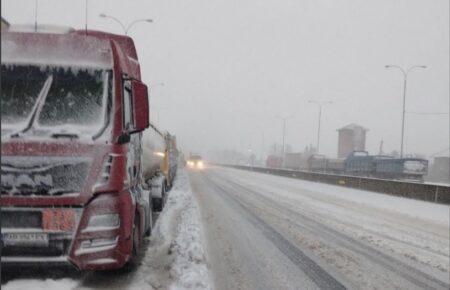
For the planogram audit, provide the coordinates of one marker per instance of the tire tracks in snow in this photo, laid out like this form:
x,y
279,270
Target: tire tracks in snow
x,y
389,223
411,274
316,273
399,225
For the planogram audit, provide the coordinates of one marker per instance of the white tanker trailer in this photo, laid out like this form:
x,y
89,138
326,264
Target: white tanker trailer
x,y
155,167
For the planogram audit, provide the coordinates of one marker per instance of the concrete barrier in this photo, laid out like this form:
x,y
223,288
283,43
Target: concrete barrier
x,y
422,191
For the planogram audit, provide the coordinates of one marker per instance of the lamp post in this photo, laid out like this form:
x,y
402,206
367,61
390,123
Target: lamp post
x,y
284,131
320,104
35,14
126,28
405,79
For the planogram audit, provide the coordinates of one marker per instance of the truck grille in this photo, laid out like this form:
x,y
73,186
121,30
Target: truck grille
x,y
17,221
51,176
21,219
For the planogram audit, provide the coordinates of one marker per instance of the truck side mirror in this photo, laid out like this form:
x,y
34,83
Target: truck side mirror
x,y
140,106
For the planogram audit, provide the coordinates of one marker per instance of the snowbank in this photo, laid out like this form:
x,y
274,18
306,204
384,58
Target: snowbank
x,y
48,284
176,256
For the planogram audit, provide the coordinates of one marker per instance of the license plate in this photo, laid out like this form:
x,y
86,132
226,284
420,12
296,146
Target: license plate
x,y
58,219
25,239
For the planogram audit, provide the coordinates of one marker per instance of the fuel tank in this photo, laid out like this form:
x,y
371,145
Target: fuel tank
x,y
154,150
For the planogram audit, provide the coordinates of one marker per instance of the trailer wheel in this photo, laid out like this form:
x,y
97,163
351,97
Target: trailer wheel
x,y
148,233
158,202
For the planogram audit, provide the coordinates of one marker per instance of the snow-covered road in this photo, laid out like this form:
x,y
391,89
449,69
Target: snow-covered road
x,y
271,232
230,229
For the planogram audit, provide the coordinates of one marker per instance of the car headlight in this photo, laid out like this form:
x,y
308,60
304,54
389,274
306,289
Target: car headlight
x,y
200,164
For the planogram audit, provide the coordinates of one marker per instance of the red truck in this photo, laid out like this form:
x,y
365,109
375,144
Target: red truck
x,y
73,108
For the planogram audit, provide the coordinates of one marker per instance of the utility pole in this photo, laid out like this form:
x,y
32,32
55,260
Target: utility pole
x,y
320,104
35,15
86,20
283,150
284,136
405,79
380,151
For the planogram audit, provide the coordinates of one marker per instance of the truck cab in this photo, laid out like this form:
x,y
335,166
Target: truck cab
x,y
73,109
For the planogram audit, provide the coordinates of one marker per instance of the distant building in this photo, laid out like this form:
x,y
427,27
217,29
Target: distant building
x,y
351,138
4,24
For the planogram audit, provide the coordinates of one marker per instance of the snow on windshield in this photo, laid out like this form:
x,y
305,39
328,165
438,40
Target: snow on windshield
x,y
64,50
76,97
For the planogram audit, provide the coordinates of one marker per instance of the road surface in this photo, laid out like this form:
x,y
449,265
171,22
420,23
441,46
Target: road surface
x,y
246,230
270,232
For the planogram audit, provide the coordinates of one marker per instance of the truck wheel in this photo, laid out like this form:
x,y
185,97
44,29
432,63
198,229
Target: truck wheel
x,y
136,246
158,202
148,233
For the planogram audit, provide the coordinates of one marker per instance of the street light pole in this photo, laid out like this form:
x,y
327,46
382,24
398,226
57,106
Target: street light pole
x,y
318,129
137,21
405,79
284,136
284,132
86,17
126,28
35,15
320,104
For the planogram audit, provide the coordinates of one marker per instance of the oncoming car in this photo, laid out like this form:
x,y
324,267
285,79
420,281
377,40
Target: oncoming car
x,y
195,162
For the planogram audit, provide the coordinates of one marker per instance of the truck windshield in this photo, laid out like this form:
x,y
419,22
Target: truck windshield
x,y
75,101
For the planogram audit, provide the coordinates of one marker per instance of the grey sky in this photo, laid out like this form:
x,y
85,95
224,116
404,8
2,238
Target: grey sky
x,y
231,66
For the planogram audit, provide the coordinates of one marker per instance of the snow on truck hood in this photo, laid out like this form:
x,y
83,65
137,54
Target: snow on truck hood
x,y
59,169
68,49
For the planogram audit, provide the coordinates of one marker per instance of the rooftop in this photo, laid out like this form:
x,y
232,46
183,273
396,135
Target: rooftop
x,y
353,126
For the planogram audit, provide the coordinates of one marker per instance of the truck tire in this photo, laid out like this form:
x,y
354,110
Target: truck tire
x,y
148,232
158,202
136,246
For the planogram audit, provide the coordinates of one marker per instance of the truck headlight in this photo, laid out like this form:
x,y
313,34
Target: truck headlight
x,y
103,222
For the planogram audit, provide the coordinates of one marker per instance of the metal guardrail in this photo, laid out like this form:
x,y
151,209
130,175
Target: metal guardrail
x,y
422,191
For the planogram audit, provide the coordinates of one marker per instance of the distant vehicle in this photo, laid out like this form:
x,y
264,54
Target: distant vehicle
x,y
317,162
274,161
402,168
360,163
195,162
73,179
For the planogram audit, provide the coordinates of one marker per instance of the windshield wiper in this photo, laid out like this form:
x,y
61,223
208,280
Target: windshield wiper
x,y
60,191
37,107
65,135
